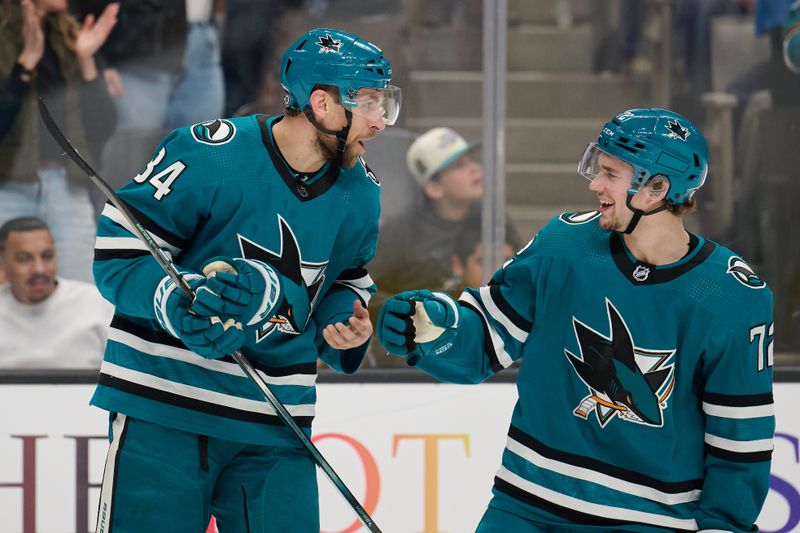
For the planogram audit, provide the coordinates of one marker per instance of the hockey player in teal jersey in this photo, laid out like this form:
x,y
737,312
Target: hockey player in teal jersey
x,y
273,220
645,385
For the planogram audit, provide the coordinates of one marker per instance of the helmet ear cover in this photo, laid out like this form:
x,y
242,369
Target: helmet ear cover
x,y
658,185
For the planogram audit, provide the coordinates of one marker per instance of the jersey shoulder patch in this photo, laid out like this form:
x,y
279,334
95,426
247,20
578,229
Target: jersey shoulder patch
x,y
744,274
578,217
213,132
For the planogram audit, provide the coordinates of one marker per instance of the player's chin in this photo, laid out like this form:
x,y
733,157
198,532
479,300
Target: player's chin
x,y
608,223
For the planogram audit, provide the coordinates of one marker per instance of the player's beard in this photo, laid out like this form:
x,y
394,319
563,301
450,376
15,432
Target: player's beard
x,y
327,144
612,222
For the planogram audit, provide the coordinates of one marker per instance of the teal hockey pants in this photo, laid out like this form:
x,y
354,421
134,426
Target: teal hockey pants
x,y
500,521
161,479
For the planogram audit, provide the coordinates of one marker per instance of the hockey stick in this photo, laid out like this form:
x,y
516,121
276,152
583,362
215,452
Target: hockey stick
x,y
179,280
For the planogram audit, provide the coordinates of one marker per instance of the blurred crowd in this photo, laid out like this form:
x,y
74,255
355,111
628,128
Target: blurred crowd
x,y
118,75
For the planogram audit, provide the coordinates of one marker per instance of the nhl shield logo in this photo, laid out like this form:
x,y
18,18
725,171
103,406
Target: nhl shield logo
x,y
641,273
218,131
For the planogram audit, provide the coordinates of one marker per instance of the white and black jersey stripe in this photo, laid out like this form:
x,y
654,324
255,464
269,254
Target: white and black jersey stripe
x,y
595,471
159,344
494,346
580,511
589,472
127,247
197,398
357,280
500,309
739,408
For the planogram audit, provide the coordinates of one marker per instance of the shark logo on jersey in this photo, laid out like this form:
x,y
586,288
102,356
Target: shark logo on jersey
x,y
624,380
579,217
744,274
301,282
217,131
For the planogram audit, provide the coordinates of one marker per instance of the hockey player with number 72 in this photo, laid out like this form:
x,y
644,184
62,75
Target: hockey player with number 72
x,y
645,386
273,221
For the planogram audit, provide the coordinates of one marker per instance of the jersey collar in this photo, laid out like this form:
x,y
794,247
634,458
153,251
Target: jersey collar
x,y
302,190
641,273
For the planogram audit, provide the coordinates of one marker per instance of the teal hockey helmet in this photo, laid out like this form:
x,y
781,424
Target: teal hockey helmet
x,y
334,57
655,142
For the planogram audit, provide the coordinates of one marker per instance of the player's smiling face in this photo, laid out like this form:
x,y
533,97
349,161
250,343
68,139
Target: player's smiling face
x,y
611,186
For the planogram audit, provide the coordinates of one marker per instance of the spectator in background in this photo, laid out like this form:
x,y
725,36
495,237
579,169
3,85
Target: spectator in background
x,y
617,37
466,263
774,75
165,63
693,21
46,52
247,51
46,321
415,248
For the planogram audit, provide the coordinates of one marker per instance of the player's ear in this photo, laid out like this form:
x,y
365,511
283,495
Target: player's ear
x,y
320,102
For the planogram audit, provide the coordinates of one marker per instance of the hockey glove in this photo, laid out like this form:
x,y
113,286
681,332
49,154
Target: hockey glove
x,y
205,335
418,323
245,290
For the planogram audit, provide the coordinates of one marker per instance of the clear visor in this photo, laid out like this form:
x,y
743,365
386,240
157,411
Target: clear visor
x,y
375,104
589,164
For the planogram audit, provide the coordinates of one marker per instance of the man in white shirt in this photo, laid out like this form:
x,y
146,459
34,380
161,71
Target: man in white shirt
x,y
46,321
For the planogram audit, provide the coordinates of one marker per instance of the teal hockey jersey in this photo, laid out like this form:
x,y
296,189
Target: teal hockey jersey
x,y
645,392
222,188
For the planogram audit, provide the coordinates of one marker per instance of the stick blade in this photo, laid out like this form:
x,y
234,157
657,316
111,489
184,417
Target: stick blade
x,y
62,141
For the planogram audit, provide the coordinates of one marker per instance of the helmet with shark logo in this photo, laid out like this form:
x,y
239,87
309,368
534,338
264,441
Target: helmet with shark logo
x,y
656,142
334,57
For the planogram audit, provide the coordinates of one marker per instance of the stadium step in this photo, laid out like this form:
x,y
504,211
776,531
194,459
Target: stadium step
x,y
528,140
530,47
530,94
545,11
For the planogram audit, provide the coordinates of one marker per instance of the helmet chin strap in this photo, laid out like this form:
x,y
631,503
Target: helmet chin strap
x,y
638,213
341,135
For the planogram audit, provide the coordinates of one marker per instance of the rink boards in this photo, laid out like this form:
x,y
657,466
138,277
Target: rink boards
x,y
420,457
